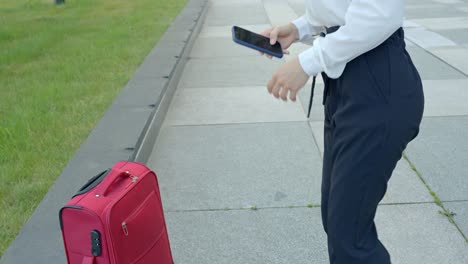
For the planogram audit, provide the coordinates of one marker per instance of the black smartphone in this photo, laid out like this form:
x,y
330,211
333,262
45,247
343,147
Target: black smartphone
x,y
256,41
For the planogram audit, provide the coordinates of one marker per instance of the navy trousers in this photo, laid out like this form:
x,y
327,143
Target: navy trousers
x,y
371,113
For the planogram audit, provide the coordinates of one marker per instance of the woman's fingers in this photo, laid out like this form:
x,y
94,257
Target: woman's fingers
x,y
270,85
279,91
276,89
274,35
292,95
284,93
266,32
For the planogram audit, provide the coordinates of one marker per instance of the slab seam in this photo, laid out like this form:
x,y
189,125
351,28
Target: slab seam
x,y
445,212
442,60
233,124
255,208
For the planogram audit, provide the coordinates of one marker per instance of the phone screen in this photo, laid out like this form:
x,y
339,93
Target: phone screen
x,y
256,40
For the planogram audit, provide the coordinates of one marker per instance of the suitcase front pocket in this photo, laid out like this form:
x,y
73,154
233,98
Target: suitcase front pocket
x,y
140,230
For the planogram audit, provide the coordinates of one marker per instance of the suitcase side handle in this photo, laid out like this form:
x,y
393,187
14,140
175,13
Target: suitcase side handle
x,y
93,182
122,174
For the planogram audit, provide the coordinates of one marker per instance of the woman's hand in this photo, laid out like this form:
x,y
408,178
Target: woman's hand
x,y
285,35
289,78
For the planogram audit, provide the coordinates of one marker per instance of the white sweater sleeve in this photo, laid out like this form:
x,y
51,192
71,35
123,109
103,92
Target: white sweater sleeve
x,y
305,28
368,23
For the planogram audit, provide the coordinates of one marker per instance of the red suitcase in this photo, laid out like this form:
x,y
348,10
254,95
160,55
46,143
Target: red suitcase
x,y
117,218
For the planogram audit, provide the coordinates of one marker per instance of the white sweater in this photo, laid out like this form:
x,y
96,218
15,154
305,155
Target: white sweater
x,y
365,24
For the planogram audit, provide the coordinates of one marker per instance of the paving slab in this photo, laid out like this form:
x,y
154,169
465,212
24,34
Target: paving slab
x,y
459,36
234,2
446,97
443,23
439,154
418,3
463,8
225,31
457,57
427,39
410,24
279,12
237,166
298,6
246,236
431,67
220,47
409,43
317,128
296,236
228,15
448,1
461,214
405,186
236,105
432,11
419,234
228,72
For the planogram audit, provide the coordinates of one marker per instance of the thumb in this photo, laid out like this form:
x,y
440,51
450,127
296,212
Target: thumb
x,y
274,36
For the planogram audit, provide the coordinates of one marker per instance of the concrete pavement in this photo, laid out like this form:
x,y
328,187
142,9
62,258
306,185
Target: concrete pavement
x,y
240,171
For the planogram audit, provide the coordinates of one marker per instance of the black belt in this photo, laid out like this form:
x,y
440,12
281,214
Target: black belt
x,y
322,34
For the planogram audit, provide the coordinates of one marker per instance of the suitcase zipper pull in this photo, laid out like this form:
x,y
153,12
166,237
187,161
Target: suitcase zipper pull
x,y
124,227
133,180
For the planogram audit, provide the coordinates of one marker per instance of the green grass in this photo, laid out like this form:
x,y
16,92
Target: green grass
x,y
60,69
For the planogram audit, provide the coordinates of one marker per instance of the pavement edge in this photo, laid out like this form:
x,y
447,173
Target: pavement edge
x,y
148,137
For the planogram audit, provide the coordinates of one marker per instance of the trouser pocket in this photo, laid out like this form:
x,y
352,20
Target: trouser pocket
x,y
378,64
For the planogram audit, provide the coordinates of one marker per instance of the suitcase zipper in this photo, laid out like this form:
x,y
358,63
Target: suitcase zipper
x,y
133,214
124,227
124,224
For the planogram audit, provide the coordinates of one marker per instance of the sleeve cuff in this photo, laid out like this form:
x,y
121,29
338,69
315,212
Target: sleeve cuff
x,y
303,27
310,61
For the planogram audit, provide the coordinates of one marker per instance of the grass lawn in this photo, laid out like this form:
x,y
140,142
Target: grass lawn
x,y
60,69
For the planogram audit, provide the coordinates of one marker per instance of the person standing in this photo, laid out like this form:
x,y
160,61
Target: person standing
x,y
374,103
